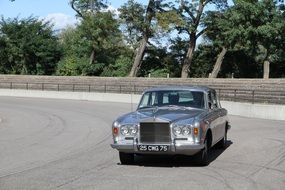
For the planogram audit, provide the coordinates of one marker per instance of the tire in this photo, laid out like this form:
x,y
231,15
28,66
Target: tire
x,y
222,144
127,158
203,155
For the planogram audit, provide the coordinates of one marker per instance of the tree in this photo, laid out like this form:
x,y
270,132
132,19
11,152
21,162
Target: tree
x,y
159,63
102,32
120,68
99,30
186,19
138,19
98,25
252,26
101,37
270,35
28,46
203,59
73,42
83,8
215,22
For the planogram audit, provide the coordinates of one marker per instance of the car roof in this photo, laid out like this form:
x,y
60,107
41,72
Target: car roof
x,y
177,87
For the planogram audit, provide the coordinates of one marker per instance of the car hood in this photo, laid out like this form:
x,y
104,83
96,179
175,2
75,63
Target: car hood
x,y
169,114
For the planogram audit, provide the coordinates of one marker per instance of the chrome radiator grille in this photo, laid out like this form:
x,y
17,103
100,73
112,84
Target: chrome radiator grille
x,y
154,133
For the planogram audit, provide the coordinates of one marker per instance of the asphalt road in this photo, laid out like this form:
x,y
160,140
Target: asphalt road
x,y
58,144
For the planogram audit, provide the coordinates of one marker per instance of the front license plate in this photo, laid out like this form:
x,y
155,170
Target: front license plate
x,y
153,148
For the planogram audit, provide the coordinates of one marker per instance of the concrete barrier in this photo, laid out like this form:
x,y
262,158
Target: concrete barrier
x,y
103,97
264,111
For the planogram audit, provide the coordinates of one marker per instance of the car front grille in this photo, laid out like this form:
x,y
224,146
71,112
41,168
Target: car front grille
x,y
154,133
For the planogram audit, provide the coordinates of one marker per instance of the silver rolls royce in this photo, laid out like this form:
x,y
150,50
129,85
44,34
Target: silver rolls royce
x,y
172,120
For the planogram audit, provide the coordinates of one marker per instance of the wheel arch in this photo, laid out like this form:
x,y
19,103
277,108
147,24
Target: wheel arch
x,y
209,136
228,126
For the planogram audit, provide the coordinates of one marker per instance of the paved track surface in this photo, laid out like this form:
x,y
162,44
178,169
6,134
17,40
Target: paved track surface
x,y
57,144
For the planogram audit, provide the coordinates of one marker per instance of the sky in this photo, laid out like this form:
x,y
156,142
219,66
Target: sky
x,y
57,11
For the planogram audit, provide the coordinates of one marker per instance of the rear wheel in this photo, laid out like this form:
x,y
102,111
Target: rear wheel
x,y
127,158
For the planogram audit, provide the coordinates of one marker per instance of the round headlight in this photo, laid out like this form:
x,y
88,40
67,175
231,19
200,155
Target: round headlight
x,y
124,130
177,130
186,131
133,130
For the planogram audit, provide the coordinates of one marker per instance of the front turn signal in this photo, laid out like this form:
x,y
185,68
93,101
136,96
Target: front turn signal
x,y
196,131
115,131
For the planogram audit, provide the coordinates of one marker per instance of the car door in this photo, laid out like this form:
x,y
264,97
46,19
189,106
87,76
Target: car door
x,y
213,116
221,114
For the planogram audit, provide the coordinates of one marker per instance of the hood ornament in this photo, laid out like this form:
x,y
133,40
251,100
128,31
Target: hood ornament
x,y
154,111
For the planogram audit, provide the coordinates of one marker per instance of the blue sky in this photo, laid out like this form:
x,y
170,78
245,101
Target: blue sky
x,y
58,11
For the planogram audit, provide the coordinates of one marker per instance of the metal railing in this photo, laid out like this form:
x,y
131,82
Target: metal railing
x,y
229,94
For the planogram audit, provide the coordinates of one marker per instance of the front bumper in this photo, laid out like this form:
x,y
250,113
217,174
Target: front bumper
x,y
174,149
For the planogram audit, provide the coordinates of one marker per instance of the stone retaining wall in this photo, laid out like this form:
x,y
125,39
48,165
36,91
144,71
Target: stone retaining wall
x,y
248,90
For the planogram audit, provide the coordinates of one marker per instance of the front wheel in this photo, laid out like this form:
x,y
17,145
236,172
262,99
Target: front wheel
x,y
203,155
127,158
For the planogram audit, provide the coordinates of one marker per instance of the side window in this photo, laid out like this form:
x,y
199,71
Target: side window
x,y
210,99
215,100
213,103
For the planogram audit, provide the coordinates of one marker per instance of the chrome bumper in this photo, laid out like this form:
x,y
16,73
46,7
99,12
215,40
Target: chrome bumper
x,y
176,148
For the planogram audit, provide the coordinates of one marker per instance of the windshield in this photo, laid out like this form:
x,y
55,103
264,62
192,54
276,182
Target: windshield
x,y
185,98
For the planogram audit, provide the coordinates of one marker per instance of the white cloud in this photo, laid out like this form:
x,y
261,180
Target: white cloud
x,y
115,11
60,20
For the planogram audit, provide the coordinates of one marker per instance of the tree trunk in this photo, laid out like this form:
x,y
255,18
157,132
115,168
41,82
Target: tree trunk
x,y
193,37
150,13
92,57
189,56
218,63
266,69
138,58
72,3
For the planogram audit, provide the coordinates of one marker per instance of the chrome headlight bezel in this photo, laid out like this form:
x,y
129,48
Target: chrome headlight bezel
x,y
181,130
124,130
177,130
129,129
133,130
186,130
